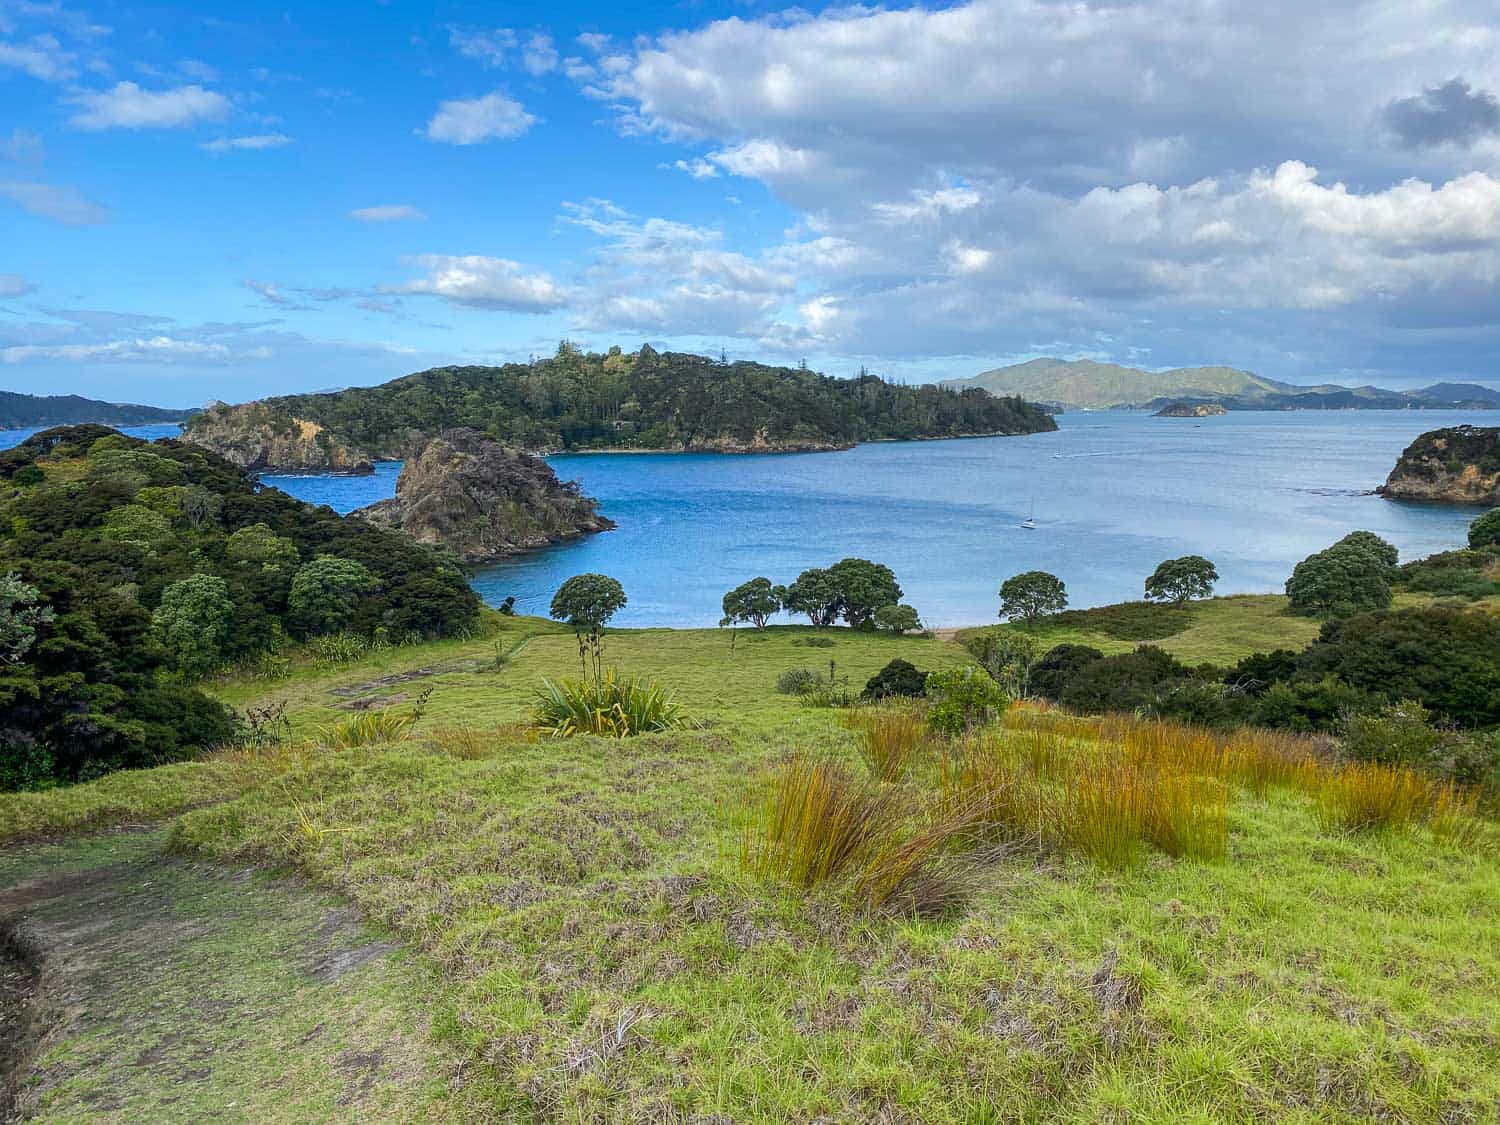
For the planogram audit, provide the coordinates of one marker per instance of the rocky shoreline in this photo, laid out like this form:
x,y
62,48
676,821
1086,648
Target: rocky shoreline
x,y
1457,465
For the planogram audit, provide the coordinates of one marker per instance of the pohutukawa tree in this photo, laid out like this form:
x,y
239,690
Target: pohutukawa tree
x,y
1031,595
1181,580
755,602
587,602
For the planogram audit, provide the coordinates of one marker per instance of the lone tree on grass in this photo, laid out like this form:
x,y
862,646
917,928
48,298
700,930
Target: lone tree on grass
x,y
587,602
897,619
754,601
1181,580
1032,595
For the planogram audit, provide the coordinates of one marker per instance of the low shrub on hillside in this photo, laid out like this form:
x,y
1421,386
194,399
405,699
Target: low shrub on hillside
x,y
898,678
605,705
795,681
1128,621
963,699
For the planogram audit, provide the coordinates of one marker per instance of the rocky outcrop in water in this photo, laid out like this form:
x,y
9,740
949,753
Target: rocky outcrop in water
x,y
485,501
1457,465
259,439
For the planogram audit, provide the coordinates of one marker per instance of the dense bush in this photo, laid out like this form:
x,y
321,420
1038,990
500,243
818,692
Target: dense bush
x,y
1353,576
1058,666
1123,683
1446,659
796,681
899,677
647,400
153,563
1485,530
1471,574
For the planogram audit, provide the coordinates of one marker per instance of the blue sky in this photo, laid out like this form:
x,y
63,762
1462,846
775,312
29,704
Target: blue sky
x,y
225,201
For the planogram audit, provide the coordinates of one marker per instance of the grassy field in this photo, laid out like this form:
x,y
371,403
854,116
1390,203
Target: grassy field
x,y
593,950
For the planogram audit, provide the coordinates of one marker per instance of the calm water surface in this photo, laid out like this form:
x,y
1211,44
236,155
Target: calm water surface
x,y
1114,494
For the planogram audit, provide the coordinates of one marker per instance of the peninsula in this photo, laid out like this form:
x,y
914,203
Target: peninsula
x,y
577,401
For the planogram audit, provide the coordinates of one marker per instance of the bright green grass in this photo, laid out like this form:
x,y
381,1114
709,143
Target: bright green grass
x,y
570,889
712,682
600,956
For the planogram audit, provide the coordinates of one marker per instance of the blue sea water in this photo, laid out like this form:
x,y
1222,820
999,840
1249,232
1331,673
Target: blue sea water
x,y
1113,495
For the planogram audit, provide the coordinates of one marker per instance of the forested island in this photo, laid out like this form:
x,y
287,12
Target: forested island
x,y
22,411
644,401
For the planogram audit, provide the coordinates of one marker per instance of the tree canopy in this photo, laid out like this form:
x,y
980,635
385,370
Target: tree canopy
x,y
754,601
1352,576
139,566
1031,595
1182,580
1485,530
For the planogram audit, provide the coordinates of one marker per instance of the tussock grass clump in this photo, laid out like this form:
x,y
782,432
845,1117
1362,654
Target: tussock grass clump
x,y
1101,812
1373,797
471,743
1187,816
605,705
988,787
821,825
891,737
367,728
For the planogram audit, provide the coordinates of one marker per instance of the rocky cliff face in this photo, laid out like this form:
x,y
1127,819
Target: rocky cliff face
x,y
1458,465
483,500
262,440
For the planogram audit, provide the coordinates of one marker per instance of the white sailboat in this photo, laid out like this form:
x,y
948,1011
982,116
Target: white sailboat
x,y
1029,523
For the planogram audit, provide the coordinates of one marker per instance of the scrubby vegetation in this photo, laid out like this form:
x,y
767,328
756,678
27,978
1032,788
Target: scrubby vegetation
x,y
645,400
136,569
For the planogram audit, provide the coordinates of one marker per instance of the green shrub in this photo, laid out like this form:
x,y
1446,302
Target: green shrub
x,y
1057,667
1126,682
963,698
898,619
898,678
796,681
1485,531
605,705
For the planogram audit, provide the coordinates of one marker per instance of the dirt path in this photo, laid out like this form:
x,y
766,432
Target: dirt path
x,y
139,987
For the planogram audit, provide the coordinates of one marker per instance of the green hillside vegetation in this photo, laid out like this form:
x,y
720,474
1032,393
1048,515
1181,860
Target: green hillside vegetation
x,y
131,570
646,400
22,411
594,941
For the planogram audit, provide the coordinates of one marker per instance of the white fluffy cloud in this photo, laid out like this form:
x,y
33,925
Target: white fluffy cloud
x,y
255,143
386,213
484,283
466,122
1004,176
58,202
127,106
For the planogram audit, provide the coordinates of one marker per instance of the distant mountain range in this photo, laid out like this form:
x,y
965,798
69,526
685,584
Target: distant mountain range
x,y
22,411
1084,384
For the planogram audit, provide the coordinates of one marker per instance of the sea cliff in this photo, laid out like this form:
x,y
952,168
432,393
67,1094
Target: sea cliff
x,y
484,501
260,439
1457,465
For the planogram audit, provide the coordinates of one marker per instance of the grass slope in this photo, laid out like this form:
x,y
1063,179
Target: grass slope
x,y
601,956
1219,631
